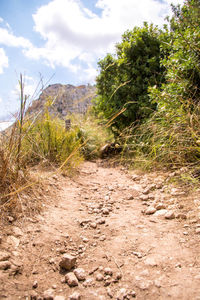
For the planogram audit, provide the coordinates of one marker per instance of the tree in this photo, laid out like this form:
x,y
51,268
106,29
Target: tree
x,y
125,77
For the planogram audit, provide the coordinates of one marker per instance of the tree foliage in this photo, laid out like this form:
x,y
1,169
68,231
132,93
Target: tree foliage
x,y
125,77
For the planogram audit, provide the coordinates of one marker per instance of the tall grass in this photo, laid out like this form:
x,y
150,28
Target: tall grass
x,y
164,140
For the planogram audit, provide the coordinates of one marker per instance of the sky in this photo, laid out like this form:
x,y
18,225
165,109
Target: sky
x,y
61,41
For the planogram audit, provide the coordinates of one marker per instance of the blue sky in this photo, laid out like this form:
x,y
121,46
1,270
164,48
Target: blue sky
x,y
62,40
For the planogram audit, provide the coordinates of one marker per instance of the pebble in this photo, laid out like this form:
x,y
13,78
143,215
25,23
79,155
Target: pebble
x,y
99,277
67,261
35,284
75,296
71,279
108,271
109,292
101,221
48,294
118,276
102,238
169,215
144,197
85,240
160,212
150,210
93,225
105,211
150,261
59,298
181,216
80,274
160,206
17,231
197,230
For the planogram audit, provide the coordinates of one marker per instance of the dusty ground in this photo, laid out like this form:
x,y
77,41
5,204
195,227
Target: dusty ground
x,y
149,256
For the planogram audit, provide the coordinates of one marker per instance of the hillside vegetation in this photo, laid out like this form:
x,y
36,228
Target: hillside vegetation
x,y
154,80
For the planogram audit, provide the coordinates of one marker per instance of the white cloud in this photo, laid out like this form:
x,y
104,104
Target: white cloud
x,y
75,35
1,20
3,60
9,39
0,100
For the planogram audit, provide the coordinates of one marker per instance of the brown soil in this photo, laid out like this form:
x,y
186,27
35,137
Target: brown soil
x,y
155,257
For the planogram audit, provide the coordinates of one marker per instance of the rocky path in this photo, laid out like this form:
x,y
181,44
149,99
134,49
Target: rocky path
x,y
105,234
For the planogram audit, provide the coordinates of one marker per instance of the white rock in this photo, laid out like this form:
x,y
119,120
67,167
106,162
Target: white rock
x,y
71,279
108,271
80,274
150,210
169,215
75,296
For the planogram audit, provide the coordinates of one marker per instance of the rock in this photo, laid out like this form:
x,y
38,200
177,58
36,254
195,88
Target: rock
x,y
161,212
108,271
107,198
93,225
59,298
99,277
122,294
144,284
67,262
144,197
105,211
160,206
4,255
102,238
33,296
48,294
35,284
150,210
4,265
75,296
88,283
146,191
197,231
169,215
150,261
109,292
80,274
101,221
181,216
85,240
118,276
71,279
10,219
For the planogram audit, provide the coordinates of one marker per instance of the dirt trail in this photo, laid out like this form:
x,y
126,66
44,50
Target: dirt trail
x,y
107,218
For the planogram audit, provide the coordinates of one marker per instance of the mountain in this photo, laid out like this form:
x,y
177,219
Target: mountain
x,y
66,99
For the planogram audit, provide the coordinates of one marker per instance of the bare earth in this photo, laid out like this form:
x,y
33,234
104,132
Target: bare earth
x,y
114,223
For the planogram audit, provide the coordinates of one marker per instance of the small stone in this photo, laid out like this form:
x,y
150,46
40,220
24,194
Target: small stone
x,y
160,206
88,283
102,238
108,271
71,279
59,298
85,240
105,211
101,221
185,233
80,274
10,219
150,261
93,225
33,296
197,231
144,285
169,215
150,210
109,292
161,212
12,240
4,265
35,284
118,276
67,261
99,277
181,216
122,294
144,197
107,198
48,295
75,296
54,286
146,191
